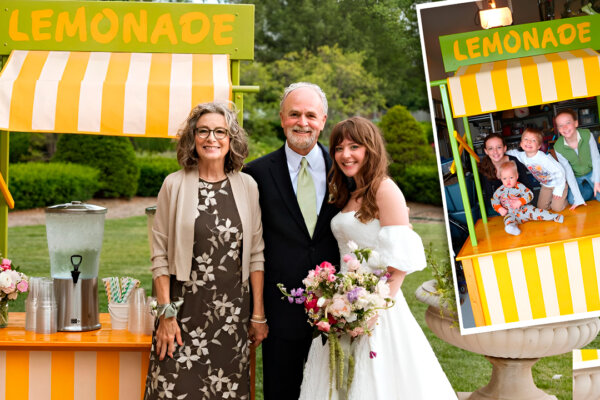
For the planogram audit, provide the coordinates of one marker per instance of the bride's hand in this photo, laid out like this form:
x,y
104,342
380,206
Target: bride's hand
x,y
372,322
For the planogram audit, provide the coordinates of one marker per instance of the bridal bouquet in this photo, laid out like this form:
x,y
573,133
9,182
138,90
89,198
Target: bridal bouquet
x,y
344,303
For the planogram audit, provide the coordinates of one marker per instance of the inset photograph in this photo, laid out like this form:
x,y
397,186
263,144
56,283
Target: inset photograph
x,y
513,96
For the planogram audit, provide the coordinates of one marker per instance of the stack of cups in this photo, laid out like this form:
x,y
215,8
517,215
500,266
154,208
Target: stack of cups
x,y
44,306
149,328
31,303
137,311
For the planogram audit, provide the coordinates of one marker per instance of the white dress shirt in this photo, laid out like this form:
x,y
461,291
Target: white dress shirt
x,y
316,167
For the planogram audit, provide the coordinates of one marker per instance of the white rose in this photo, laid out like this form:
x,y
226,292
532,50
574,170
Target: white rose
x,y
5,280
374,259
383,289
321,301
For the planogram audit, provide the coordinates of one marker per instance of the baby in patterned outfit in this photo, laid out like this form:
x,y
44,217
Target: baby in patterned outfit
x,y
510,200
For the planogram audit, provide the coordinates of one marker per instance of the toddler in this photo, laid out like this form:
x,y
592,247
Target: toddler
x,y
510,200
545,169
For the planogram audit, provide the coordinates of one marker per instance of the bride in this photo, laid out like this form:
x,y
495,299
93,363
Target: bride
x,y
375,216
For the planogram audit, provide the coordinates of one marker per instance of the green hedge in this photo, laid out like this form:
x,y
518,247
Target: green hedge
x,y
40,184
421,183
153,171
113,156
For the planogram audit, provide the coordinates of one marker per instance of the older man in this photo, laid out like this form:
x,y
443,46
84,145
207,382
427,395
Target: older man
x,y
292,182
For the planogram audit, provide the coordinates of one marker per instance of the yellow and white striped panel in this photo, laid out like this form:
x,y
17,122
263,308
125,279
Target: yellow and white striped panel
x,y
71,375
542,282
586,358
131,94
520,82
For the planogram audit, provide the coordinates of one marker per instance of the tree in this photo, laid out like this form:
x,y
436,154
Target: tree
x,y
385,31
350,89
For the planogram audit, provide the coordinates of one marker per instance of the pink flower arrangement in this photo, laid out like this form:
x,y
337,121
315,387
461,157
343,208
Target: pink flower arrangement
x,y
12,282
343,303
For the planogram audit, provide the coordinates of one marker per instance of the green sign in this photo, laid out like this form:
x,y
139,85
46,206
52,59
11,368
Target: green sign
x,y
127,27
520,40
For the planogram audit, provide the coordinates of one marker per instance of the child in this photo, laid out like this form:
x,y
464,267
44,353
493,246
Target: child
x,y
545,169
577,151
510,200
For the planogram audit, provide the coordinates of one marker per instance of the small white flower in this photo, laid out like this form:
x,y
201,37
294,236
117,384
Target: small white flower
x,y
321,301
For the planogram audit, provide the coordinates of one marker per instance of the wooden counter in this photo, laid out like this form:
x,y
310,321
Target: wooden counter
x,y
549,271
100,364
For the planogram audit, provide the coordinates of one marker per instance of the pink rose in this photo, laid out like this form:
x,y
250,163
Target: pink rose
x,y
357,331
327,266
353,265
6,261
347,258
323,326
22,286
331,278
312,304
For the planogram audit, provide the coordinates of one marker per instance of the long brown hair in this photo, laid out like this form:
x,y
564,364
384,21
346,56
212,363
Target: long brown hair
x,y
374,169
486,167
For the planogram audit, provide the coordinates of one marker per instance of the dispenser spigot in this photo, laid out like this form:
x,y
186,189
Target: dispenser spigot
x,y
76,261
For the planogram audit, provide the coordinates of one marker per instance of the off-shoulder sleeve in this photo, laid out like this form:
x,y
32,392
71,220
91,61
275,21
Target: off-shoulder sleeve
x,y
401,248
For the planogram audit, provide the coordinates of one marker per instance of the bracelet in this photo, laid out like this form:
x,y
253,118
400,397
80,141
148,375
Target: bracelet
x,y
168,310
258,321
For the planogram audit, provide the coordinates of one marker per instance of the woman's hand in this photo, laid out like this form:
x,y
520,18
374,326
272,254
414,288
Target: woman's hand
x,y
167,332
257,333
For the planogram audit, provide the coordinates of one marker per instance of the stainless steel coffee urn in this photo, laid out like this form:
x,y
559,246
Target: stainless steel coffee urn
x,y
75,231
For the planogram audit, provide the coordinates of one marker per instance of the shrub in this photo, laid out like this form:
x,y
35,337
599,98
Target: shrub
x,y
153,145
421,183
25,147
40,184
113,156
405,141
153,171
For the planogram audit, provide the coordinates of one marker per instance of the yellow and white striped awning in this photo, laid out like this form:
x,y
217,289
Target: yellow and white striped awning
x,y
586,358
131,94
502,85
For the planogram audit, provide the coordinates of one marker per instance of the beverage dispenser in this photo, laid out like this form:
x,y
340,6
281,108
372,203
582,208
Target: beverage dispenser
x,y
75,231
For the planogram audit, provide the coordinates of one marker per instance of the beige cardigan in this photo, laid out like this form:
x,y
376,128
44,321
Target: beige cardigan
x,y
173,229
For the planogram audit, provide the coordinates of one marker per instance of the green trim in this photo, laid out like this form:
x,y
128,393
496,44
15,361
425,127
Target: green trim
x,y
475,170
459,168
4,140
127,27
517,41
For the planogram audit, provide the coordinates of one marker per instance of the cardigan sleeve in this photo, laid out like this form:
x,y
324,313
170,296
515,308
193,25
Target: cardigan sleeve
x,y
160,228
257,258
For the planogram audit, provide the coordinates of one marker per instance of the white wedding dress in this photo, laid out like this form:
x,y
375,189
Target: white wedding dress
x,y
405,366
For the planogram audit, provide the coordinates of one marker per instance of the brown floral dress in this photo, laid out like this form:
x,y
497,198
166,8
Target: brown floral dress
x,y
213,362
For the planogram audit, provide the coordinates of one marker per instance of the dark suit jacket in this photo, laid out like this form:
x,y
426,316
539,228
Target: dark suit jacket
x,y
290,252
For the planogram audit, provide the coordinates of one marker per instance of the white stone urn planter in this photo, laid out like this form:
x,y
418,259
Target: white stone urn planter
x,y
512,352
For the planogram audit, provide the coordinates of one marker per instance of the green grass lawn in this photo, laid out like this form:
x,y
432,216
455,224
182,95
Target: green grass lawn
x,y
125,252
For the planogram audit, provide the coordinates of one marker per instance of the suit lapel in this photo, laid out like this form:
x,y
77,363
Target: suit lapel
x,y
281,177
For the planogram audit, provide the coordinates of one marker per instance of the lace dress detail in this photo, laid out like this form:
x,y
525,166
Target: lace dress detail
x,y
405,366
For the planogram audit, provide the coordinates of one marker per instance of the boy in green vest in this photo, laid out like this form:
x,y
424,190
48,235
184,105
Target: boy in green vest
x,y
577,151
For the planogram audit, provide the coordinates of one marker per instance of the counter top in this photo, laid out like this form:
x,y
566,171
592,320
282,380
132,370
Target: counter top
x,y
15,335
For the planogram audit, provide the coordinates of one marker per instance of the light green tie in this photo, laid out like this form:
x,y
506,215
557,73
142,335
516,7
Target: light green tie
x,y
307,196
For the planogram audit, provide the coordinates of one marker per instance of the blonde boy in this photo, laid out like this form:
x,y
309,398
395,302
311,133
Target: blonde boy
x,y
577,151
544,168
510,200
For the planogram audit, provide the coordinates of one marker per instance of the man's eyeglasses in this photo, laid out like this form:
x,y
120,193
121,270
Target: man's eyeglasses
x,y
203,133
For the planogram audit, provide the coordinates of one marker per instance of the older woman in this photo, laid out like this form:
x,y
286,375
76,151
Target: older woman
x,y
494,147
207,255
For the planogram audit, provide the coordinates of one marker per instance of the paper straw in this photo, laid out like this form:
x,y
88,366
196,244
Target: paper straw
x,y
106,282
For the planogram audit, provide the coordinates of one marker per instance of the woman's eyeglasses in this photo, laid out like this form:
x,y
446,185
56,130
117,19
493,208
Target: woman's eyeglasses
x,y
203,133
